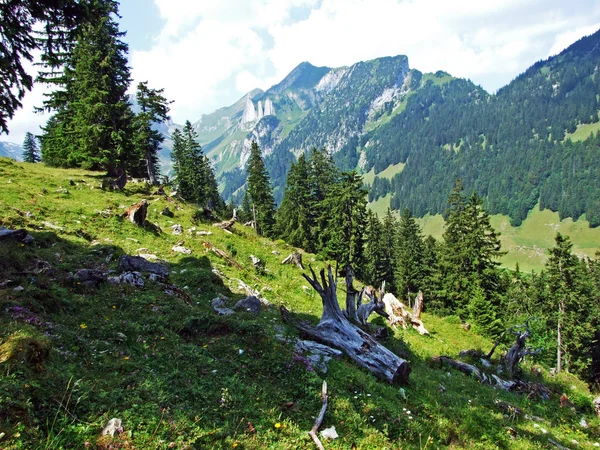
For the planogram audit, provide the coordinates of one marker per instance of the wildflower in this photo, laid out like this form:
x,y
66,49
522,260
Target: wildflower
x,y
162,338
235,444
126,358
114,307
83,326
278,425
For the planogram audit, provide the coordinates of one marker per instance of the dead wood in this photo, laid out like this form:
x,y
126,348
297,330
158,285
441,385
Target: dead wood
x,y
294,258
418,306
335,330
137,213
399,314
221,254
227,224
319,420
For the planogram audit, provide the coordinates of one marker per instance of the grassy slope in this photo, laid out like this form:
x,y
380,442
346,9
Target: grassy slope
x,y
180,377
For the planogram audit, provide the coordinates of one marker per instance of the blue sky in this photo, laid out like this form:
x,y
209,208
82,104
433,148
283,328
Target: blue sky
x,y
208,53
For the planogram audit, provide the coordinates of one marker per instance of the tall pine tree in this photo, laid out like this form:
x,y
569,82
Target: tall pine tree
x,y
154,108
31,152
92,124
260,193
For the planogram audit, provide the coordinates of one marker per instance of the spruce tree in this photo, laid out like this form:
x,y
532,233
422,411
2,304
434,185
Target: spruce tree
x,y
31,153
410,270
260,193
295,216
375,263
92,124
347,202
154,108
60,19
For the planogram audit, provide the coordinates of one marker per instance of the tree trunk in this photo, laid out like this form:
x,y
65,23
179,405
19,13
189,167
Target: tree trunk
x,y
559,338
335,330
150,168
418,306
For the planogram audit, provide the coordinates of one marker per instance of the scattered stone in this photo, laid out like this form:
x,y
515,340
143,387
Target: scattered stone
x,y
466,326
19,289
132,240
29,239
15,235
134,279
329,433
114,280
140,264
218,273
177,229
250,304
121,337
596,403
154,277
137,213
167,212
181,249
218,305
90,277
203,233
62,191
112,426
583,423
41,266
275,252
257,263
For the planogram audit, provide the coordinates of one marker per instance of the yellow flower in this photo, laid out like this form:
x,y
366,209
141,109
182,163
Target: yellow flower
x,y
278,425
83,326
235,444
114,307
126,358
162,338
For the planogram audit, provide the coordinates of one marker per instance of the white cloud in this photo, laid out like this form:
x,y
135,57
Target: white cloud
x,y
209,53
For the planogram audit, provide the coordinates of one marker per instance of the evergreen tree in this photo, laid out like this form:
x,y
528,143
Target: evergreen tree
x,y
323,178
389,240
374,268
31,151
260,193
61,20
295,216
154,108
92,124
410,270
192,170
347,202
468,259
575,312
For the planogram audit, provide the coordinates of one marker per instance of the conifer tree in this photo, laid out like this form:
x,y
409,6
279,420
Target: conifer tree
x,y
31,151
154,108
295,216
193,173
60,19
471,248
260,193
575,313
92,124
347,202
410,270
376,259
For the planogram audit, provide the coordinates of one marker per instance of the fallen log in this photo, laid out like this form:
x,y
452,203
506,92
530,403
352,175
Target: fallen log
x,y
335,330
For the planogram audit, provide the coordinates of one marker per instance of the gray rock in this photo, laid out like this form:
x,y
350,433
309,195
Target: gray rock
x,y
167,212
218,305
177,229
29,239
596,403
112,426
181,249
19,289
16,235
90,277
139,264
203,233
250,304
134,279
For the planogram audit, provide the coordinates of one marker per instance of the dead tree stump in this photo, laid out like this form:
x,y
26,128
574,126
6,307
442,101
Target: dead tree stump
x,y
335,330
137,213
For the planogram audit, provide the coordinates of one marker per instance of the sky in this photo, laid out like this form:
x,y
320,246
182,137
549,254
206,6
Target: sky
x,y
207,54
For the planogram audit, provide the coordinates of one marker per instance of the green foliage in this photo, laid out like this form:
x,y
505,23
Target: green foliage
x,y
31,152
260,194
154,108
91,127
192,171
61,20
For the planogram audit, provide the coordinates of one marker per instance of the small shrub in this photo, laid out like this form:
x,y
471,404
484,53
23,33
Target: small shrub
x,y
25,347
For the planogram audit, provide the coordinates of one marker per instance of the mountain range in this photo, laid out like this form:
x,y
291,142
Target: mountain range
x,y
414,133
